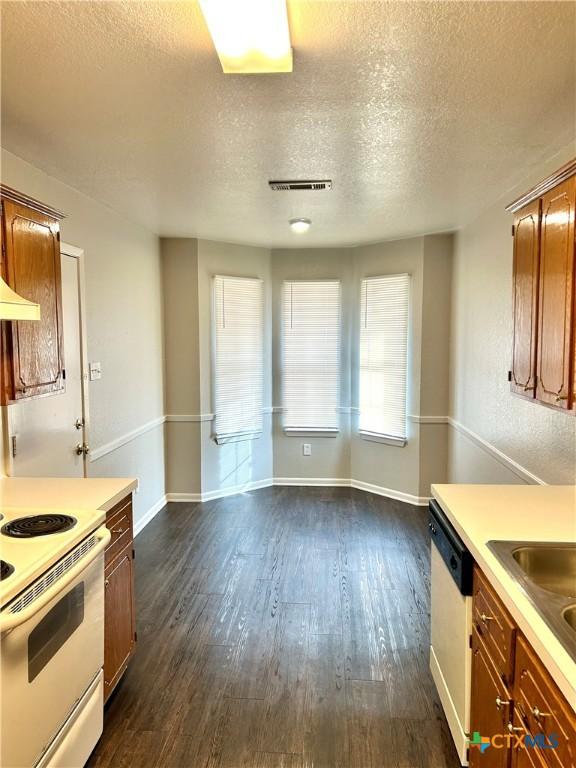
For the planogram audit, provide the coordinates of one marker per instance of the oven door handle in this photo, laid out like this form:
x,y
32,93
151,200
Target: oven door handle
x,y
9,620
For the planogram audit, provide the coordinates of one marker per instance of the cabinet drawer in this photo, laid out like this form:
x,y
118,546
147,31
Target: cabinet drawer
x,y
119,523
494,626
542,708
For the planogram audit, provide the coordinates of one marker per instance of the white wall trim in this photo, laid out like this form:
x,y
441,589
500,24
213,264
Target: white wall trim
x,y
113,445
334,482
320,482
390,493
429,419
187,417
506,461
219,494
182,498
143,521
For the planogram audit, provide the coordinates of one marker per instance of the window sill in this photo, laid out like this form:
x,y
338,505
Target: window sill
x,y
310,432
225,439
374,437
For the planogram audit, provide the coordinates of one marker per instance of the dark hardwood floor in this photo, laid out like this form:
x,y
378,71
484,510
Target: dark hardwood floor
x,y
284,628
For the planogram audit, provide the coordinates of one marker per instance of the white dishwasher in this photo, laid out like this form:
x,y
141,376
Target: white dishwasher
x,y
451,625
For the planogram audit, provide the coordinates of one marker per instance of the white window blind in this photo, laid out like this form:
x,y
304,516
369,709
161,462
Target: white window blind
x,y
311,354
384,355
238,360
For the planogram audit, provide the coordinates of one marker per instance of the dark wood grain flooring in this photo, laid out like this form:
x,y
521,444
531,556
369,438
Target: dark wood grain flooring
x,y
284,628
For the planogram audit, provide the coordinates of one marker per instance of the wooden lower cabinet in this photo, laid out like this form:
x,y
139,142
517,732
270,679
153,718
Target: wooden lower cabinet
x,y
119,610
490,707
530,708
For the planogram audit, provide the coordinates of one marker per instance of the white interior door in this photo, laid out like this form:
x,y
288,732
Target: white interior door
x,y
45,428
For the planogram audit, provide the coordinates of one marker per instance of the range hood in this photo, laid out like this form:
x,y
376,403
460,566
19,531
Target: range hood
x,y
14,307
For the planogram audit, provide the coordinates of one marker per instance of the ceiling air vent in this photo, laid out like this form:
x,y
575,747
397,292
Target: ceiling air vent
x,y
296,186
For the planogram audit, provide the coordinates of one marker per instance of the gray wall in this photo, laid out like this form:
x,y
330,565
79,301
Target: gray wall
x,y
124,327
537,438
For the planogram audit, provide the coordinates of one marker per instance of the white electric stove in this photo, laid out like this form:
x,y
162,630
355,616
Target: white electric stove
x,y
52,635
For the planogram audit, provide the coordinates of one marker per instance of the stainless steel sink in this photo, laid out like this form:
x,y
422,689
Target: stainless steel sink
x,y
550,567
547,575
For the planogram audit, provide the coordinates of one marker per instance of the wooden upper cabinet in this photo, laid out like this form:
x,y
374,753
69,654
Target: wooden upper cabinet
x,y
525,298
556,324
32,351
544,291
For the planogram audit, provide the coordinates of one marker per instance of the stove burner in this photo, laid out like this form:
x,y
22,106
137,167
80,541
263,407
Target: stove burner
x,y
5,570
38,525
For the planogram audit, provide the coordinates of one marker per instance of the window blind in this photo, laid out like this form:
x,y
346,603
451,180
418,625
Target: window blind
x,y
311,354
238,359
384,355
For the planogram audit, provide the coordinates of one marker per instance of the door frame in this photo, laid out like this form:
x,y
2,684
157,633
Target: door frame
x,y
66,249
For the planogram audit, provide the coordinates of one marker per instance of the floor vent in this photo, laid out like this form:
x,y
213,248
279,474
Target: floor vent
x,y
291,186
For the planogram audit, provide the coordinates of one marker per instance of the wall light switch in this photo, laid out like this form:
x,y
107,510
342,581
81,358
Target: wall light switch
x,y
95,371
306,449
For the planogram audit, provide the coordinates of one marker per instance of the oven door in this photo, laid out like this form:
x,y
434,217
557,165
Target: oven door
x,y
52,648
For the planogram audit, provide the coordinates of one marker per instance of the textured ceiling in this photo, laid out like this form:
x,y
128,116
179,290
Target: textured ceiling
x,y
421,113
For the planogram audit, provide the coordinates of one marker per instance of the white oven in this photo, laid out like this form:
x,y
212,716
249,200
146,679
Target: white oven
x,y
52,650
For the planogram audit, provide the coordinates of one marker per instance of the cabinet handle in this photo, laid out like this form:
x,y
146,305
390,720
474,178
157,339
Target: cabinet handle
x,y
106,582
117,530
501,703
538,715
486,618
514,728
559,398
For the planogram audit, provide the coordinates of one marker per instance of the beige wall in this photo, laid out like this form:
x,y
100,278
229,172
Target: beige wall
x,y
537,438
195,463
409,469
234,464
330,455
182,364
124,326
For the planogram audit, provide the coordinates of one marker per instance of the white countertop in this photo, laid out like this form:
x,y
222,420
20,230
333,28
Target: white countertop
x,y
481,513
64,493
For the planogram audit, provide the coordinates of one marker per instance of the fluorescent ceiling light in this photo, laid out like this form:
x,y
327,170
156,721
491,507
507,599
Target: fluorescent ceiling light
x,y
300,225
250,36
14,307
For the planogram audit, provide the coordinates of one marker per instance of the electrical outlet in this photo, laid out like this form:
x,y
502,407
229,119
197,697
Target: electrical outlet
x,y
306,449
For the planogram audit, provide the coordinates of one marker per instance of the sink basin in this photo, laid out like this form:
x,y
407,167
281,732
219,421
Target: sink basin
x,y
551,568
570,616
546,573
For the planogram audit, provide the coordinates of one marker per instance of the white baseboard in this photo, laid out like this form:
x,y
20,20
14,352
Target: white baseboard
x,y
390,493
334,482
184,497
140,524
320,482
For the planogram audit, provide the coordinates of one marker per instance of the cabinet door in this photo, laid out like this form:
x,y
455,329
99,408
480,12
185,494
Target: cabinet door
x,y
526,757
542,707
489,712
555,343
119,635
525,299
32,269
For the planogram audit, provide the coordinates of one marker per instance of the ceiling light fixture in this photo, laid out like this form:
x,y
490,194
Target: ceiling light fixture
x,y
300,225
250,36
